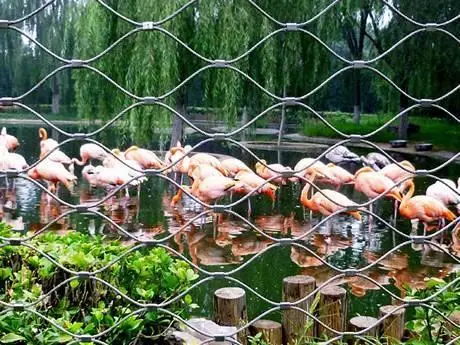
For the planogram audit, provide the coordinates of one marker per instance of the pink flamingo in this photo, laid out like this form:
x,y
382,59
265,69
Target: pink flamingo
x,y
47,145
271,170
327,201
233,166
146,158
397,174
53,173
307,166
423,208
89,152
12,142
373,184
338,176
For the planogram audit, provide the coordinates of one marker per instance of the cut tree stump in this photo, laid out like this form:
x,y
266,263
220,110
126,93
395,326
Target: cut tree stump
x,y
332,310
296,323
230,310
393,325
271,331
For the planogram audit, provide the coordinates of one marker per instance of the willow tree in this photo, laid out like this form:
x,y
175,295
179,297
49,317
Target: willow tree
x,y
19,58
427,64
287,64
147,64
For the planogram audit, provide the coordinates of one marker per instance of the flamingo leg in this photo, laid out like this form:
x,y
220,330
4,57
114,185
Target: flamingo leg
x,y
370,218
249,208
395,214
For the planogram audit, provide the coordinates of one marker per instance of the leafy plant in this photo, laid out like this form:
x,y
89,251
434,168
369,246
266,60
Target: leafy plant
x,y
427,326
257,340
87,306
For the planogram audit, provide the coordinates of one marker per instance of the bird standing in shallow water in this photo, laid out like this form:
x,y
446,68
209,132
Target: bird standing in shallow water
x,y
374,184
327,201
423,208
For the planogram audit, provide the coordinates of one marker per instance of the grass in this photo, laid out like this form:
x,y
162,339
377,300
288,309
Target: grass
x,y
441,132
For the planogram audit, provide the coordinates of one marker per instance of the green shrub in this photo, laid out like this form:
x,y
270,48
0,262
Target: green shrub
x,y
428,327
147,275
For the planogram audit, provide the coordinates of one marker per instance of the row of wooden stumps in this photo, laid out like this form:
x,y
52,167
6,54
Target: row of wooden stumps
x,y
331,308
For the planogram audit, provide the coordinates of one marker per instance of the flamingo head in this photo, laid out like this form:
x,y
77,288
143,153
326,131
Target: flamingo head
x,y
33,173
261,165
42,133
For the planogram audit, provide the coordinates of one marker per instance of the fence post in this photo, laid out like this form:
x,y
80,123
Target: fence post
x,y
271,331
332,310
295,323
393,325
360,323
230,310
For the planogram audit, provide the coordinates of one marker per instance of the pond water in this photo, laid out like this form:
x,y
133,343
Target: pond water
x,y
349,244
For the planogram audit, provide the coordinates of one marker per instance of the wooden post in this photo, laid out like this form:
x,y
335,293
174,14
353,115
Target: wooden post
x,y
295,323
359,323
332,310
453,331
230,309
271,331
393,325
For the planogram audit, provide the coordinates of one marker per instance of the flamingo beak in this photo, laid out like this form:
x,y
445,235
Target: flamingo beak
x,y
356,215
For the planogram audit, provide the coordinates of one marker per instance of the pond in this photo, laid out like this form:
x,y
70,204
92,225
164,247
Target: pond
x,y
343,242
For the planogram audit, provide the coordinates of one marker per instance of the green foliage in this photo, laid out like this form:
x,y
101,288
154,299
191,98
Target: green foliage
x,y
427,326
257,340
87,306
432,130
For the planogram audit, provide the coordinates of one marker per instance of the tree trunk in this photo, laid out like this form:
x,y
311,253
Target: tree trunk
x,y
177,128
244,120
283,119
55,97
357,105
404,119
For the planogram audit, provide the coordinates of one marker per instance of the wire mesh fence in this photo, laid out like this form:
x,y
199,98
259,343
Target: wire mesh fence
x,y
294,241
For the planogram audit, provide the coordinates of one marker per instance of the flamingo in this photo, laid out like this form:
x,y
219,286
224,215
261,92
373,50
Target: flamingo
x,y
342,154
100,176
443,193
256,184
53,173
16,162
327,201
307,166
373,184
397,174
90,152
202,171
269,171
423,208
175,154
210,189
233,166
12,142
339,176
204,158
375,160
146,158
47,145
130,167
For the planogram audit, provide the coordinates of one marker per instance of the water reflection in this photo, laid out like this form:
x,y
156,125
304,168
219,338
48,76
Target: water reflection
x,y
342,241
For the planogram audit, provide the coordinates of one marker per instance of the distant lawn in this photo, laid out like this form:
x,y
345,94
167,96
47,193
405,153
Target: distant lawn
x,y
442,133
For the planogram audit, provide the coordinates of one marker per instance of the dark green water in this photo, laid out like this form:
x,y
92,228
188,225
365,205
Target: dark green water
x,y
351,245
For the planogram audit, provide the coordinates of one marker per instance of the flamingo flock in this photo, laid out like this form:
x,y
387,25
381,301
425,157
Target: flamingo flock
x,y
212,178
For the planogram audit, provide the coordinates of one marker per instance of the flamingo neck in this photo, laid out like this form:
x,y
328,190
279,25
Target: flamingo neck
x,y
43,134
304,196
409,194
